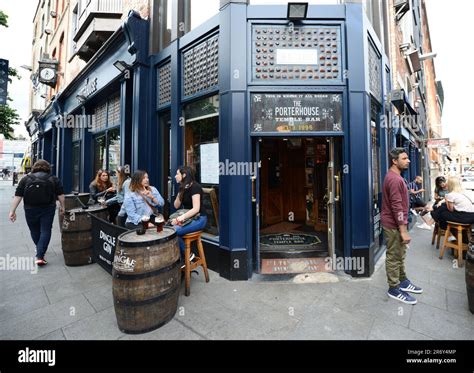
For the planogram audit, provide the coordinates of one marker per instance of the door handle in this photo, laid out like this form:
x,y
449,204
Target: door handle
x,y
254,189
170,187
338,188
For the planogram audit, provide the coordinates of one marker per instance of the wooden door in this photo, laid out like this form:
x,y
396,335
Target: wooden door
x,y
271,183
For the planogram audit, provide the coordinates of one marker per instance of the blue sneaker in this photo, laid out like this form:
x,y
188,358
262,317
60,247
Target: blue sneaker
x,y
407,286
397,294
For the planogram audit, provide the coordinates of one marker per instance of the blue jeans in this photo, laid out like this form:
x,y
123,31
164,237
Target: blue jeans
x,y
194,226
40,222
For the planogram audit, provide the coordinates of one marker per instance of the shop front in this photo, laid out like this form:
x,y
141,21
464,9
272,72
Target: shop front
x,y
96,118
282,122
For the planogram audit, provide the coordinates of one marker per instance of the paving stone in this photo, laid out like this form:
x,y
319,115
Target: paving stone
x,y
47,319
22,303
386,330
173,330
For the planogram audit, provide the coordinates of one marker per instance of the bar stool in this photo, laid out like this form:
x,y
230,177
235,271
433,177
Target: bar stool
x,y
437,233
457,245
200,260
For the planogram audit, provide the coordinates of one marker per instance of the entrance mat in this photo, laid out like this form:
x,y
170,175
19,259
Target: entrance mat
x,y
289,242
284,226
300,265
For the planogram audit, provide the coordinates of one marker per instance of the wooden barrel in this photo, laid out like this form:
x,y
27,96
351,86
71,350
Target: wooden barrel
x,y
470,275
76,235
71,202
146,279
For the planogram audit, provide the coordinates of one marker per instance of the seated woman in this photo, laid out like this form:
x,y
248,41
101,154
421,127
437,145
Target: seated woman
x,y
142,200
459,205
123,187
102,189
189,197
441,189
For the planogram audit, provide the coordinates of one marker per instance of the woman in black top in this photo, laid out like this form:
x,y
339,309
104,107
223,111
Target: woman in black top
x,y
189,197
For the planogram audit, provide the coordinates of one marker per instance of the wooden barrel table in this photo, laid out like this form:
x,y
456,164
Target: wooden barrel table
x,y
470,275
146,278
71,202
76,234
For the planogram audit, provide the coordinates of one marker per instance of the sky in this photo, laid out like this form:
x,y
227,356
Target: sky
x,y
449,26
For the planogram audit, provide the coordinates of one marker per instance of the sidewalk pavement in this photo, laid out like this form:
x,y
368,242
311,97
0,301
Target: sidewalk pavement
x,y
75,303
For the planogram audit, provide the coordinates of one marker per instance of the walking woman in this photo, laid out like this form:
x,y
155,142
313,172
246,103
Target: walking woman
x,y
189,197
142,200
39,191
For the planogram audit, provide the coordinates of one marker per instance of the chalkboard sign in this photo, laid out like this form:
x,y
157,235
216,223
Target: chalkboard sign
x,y
212,210
292,112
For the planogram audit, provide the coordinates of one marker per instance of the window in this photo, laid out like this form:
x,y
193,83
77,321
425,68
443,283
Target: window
x,y
202,149
106,125
161,26
195,14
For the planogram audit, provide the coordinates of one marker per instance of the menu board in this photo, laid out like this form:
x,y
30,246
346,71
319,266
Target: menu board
x,y
209,163
296,112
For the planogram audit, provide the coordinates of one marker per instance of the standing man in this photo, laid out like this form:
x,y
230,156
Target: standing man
x,y
394,218
39,191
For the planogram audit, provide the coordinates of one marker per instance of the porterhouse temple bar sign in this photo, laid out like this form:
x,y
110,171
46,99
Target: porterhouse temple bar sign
x,y
289,112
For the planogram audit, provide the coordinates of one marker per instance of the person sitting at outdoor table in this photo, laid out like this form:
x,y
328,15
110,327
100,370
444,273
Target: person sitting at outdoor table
x,y
441,189
459,206
190,197
141,201
416,190
123,187
101,190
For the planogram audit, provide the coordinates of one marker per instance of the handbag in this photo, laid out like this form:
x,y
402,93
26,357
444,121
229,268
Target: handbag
x,y
153,208
180,212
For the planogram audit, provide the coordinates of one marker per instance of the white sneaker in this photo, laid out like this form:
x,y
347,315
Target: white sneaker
x,y
451,239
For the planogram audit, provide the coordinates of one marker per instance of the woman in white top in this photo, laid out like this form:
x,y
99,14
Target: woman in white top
x,y
459,205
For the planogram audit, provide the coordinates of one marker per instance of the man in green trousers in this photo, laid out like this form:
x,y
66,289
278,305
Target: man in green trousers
x,y
394,217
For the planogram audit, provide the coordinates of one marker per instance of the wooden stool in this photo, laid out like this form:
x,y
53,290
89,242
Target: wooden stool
x,y
437,233
457,245
200,260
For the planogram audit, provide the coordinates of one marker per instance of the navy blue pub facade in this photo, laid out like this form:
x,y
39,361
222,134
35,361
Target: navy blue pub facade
x,y
300,103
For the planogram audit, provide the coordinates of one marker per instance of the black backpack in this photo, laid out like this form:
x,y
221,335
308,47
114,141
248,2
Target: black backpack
x,y
39,191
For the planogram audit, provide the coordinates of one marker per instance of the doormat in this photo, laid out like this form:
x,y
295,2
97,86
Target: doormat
x,y
300,265
284,226
289,242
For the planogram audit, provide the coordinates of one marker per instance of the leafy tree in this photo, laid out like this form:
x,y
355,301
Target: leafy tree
x,y
3,19
8,116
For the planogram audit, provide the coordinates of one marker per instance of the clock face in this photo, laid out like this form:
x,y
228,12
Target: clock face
x,y
47,73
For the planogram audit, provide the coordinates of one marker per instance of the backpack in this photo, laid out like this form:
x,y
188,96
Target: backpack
x,y
39,191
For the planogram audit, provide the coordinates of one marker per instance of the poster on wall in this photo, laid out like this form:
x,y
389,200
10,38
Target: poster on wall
x,y
209,163
296,112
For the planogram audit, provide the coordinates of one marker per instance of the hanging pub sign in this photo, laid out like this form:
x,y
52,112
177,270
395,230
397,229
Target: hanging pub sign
x,y
296,112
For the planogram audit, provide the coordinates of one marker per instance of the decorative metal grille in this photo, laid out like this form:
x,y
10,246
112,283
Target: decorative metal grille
x,y
201,67
270,40
76,134
100,117
375,73
114,112
164,85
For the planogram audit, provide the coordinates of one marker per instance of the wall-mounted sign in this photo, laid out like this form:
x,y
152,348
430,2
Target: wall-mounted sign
x,y
3,81
437,143
90,88
293,56
296,112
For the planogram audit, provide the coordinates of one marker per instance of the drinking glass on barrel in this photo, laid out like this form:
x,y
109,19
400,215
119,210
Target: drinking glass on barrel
x,y
159,222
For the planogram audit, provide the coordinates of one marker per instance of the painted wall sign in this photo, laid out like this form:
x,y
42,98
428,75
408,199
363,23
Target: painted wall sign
x,y
288,56
292,112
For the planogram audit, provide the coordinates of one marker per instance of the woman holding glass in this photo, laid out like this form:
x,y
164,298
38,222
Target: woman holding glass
x,y
142,200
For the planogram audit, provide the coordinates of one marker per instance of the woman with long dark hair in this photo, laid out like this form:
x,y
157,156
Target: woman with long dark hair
x,y
189,197
142,200
102,190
